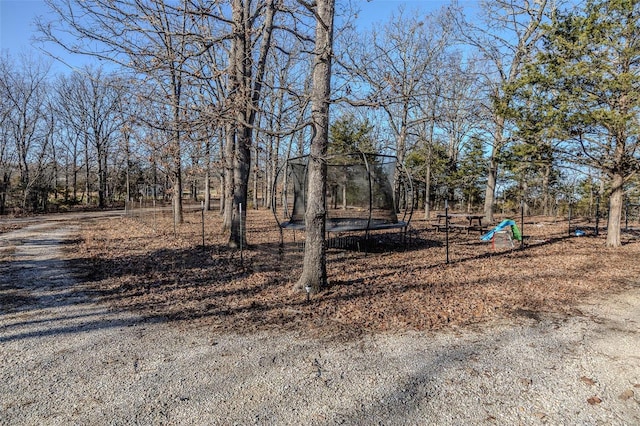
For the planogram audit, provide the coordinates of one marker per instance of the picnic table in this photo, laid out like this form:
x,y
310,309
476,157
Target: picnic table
x,y
473,222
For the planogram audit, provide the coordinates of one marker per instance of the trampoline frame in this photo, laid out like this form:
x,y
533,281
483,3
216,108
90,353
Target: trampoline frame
x,y
351,224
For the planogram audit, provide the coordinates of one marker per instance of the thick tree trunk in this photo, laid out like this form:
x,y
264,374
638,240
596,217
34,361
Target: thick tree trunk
x,y
615,211
74,180
87,175
247,97
128,169
227,212
4,189
255,180
241,170
221,187
238,142
207,175
492,173
489,197
222,175
616,199
178,217
272,168
314,273
102,181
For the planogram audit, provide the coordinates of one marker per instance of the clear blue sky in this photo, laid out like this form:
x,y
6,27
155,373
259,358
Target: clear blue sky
x,y
17,22
375,11
17,30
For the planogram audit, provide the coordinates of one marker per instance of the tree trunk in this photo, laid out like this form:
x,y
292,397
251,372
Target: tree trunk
x,y
177,192
102,177
177,174
221,196
615,211
248,99
87,166
222,175
55,171
128,170
546,197
492,173
427,191
255,179
207,188
230,145
272,168
314,273
427,187
4,189
237,88
241,170
75,175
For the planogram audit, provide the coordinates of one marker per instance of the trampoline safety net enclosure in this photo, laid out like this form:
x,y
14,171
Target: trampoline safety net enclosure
x,y
364,192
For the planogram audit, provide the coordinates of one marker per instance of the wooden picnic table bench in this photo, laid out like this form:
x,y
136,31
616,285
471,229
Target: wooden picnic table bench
x,y
473,222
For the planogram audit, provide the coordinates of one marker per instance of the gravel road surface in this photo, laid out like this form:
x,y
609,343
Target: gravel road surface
x,y
65,359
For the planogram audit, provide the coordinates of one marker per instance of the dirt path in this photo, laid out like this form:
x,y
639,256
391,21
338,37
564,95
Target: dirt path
x,y
65,359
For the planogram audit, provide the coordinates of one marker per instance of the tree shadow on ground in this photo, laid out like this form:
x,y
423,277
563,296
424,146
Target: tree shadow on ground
x,y
217,288
397,287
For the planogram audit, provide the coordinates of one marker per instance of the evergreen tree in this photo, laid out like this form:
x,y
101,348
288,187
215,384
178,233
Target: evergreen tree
x,y
349,135
471,173
583,89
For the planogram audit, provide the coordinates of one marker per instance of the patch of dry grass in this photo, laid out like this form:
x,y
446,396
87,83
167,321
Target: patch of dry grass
x,y
140,264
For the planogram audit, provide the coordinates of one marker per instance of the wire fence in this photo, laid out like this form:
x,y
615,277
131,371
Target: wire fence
x,y
199,226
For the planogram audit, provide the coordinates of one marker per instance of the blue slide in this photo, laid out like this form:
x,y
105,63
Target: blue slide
x,y
507,222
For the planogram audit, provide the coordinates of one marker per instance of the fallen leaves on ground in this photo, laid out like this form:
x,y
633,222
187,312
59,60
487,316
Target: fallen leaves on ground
x,y
627,394
588,381
139,263
594,400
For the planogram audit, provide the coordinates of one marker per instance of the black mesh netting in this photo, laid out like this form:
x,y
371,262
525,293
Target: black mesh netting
x,y
364,191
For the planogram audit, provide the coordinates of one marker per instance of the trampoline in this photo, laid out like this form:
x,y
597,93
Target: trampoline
x,y
365,192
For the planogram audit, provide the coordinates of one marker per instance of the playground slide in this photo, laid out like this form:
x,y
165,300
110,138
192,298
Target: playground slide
x,y
502,225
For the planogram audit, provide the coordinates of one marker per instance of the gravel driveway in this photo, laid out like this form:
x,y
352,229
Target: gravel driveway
x,y
65,359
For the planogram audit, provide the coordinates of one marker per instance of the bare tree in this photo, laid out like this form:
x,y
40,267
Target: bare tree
x,y
505,37
70,125
27,124
245,89
7,152
394,67
88,106
460,112
314,273
149,38
285,111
